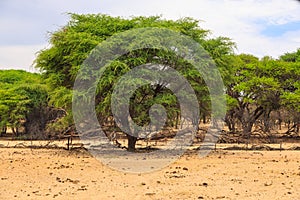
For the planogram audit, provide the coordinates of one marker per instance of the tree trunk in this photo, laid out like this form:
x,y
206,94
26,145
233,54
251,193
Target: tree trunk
x,y
248,118
266,122
15,131
131,142
38,118
177,120
247,128
230,122
204,118
3,130
231,125
297,127
279,120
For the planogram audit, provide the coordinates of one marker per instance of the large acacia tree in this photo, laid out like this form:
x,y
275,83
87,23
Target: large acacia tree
x,y
72,44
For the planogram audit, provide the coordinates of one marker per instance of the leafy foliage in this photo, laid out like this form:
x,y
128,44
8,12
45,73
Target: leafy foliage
x,y
260,87
71,45
21,94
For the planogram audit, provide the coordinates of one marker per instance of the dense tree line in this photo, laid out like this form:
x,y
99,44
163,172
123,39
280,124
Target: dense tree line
x,y
260,93
24,104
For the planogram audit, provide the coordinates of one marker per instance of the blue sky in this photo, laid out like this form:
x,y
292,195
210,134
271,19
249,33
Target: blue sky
x,y
259,27
278,30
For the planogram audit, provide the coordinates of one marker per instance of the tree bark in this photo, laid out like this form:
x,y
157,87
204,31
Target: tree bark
x,y
266,122
249,118
230,121
15,131
3,130
131,142
204,118
177,120
247,128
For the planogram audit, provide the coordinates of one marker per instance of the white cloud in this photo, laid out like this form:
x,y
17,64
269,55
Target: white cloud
x,y
241,20
236,19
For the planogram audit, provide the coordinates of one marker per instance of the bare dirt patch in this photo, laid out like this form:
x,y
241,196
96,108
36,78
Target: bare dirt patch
x,y
60,174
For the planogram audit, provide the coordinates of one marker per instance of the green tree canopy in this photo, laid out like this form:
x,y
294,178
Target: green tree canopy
x,y
291,57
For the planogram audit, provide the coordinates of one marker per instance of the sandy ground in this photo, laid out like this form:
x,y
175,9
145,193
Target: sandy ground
x,y
61,174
